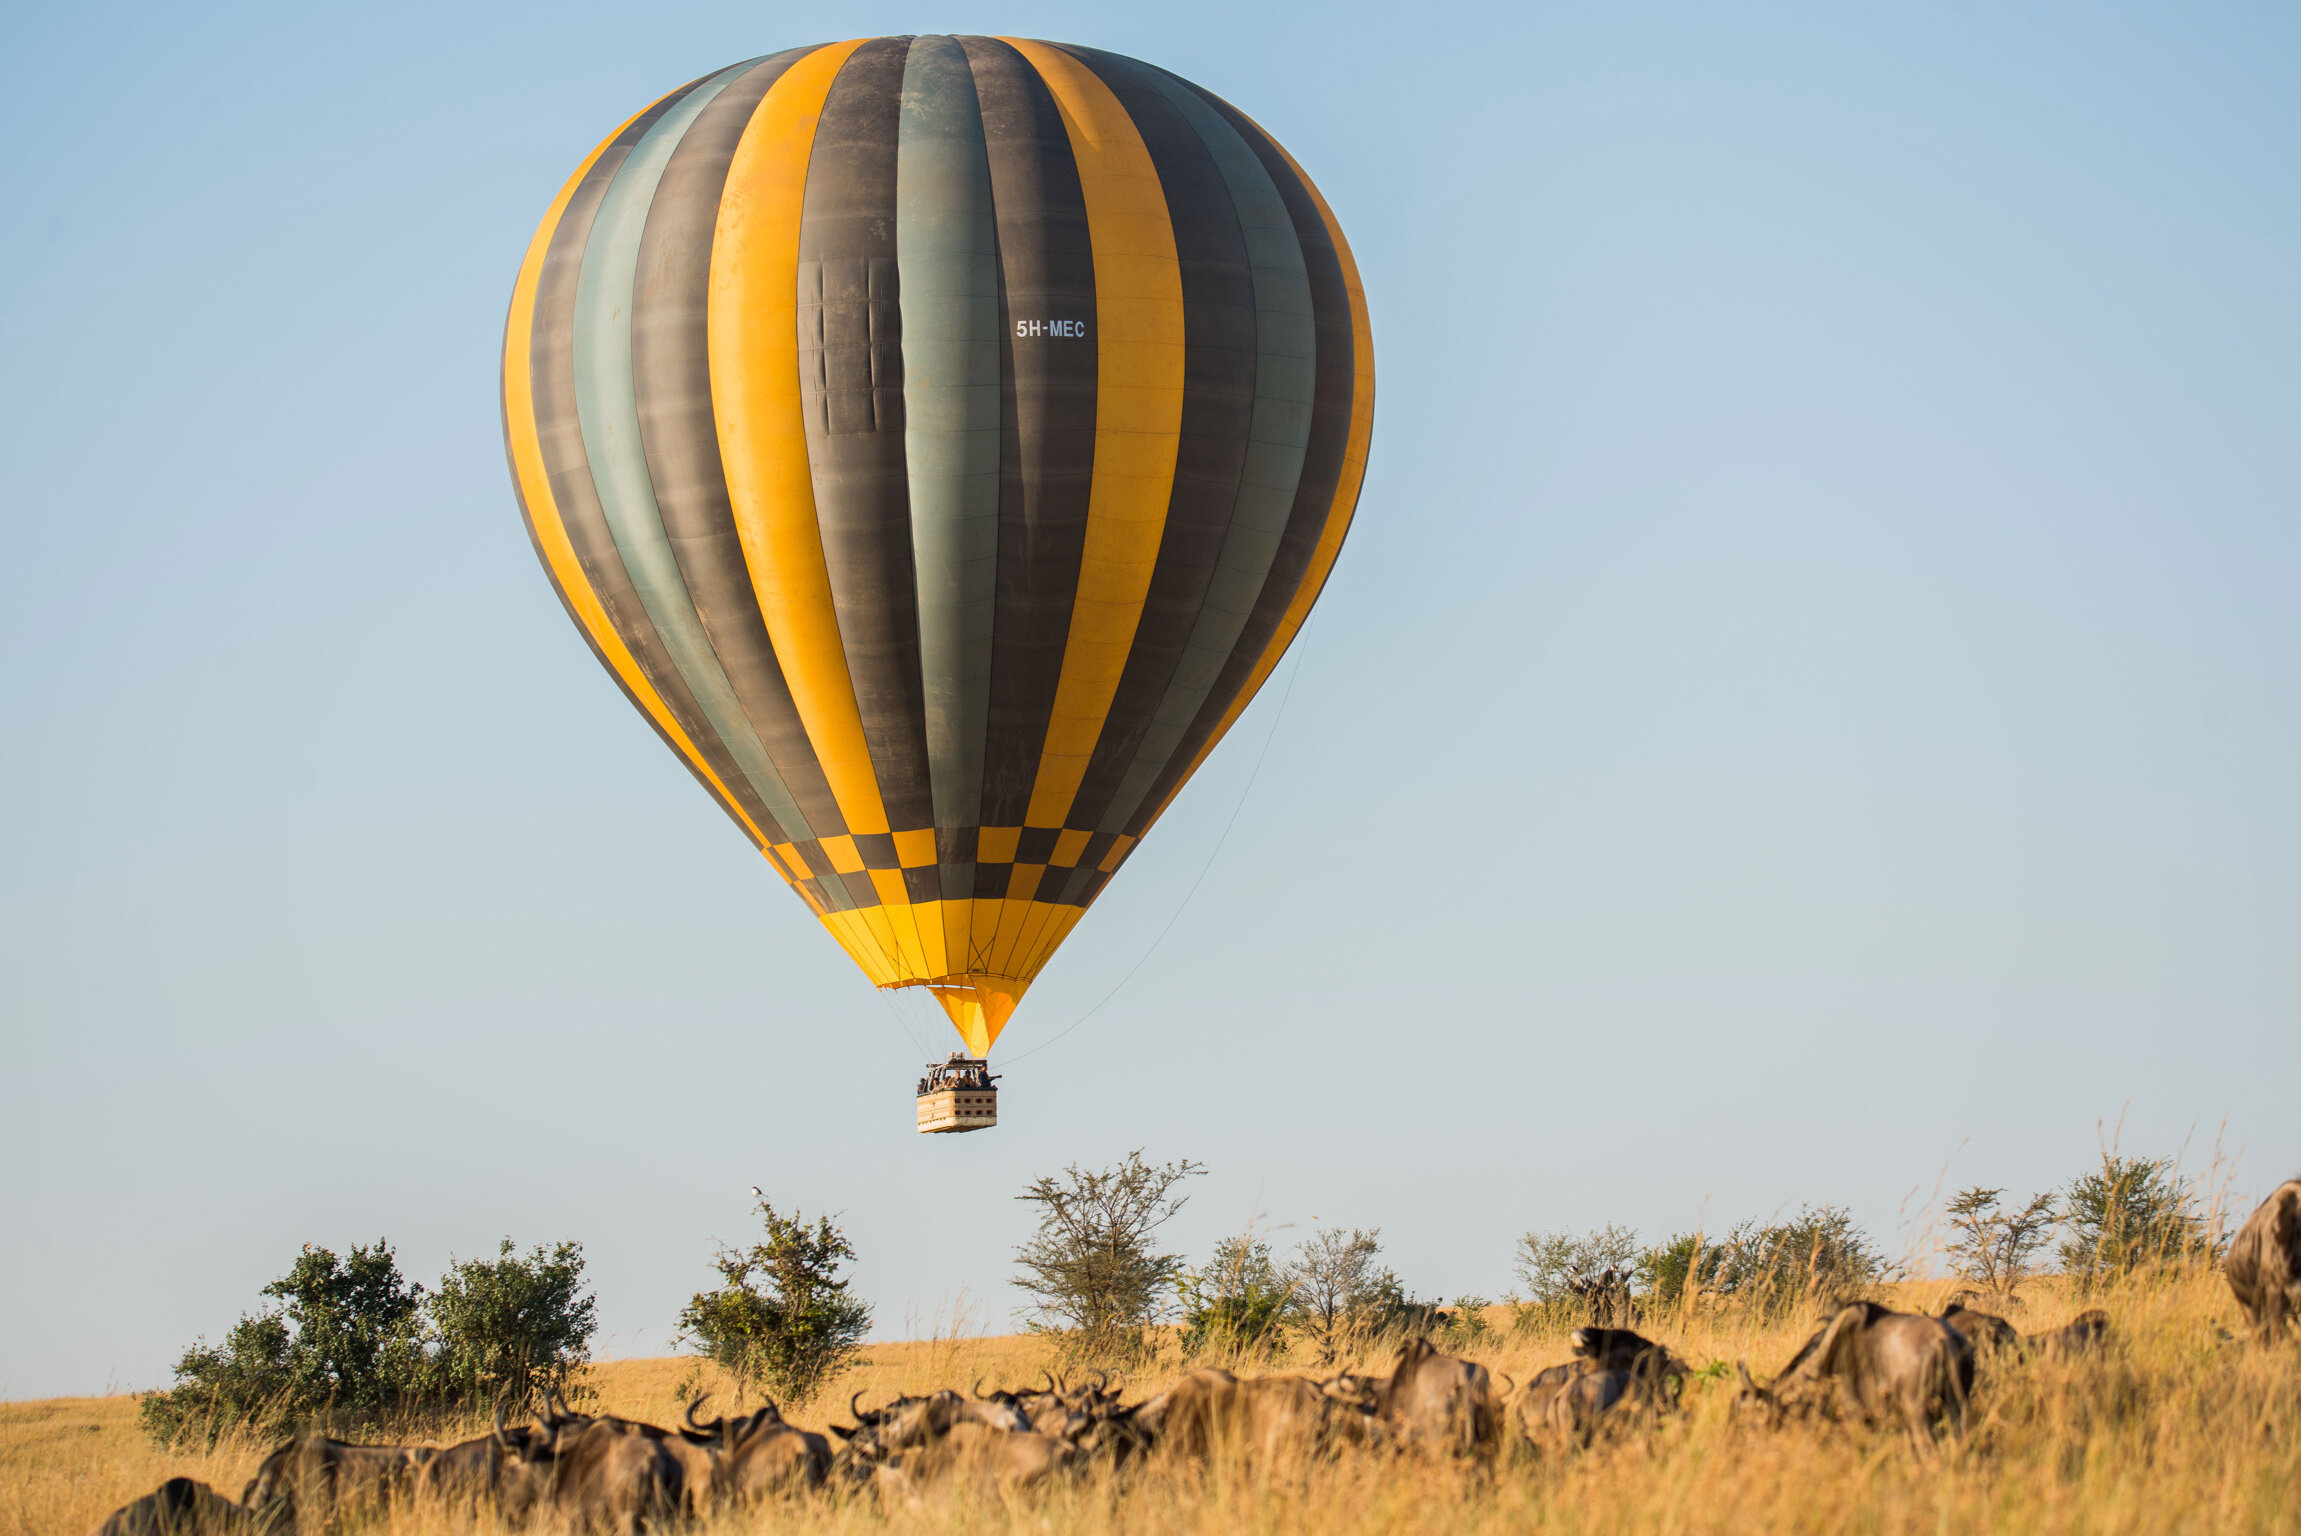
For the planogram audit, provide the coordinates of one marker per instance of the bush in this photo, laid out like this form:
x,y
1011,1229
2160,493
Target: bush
x,y
1091,1264
1546,1259
1465,1326
2130,1212
782,1316
346,1341
509,1329
354,1343
1686,1265
1994,1248
1238,1303
1822,1256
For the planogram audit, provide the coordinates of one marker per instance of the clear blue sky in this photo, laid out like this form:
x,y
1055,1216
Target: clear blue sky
x,y
1810,698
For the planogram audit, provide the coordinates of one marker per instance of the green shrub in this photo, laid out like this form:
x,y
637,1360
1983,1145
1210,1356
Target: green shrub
x,y
1688,1263
782,1316
510,1329
1821,1256
1238,1304
1545,1259
346,1341
2130,1212
353,1343
1466,1326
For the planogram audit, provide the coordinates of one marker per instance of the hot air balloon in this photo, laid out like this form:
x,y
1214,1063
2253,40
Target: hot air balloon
x,y
939,440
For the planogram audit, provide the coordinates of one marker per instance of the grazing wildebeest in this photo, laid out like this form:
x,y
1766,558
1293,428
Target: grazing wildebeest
x,y
1439,1402
1985,1331
313,1476
755,1455
1612,1366
2264,1263
602,1475
1211,1411
1659,1373
182,1507
911,1421
972,1453
1877,1365
489,1472
1057,1409
2081,1335
1574,1408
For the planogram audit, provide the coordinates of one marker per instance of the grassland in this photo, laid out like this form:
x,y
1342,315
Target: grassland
x,y
2179,1428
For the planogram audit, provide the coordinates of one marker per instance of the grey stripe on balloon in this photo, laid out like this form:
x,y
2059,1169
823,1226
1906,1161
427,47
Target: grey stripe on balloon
x,y
1285,382
608,408
947,255
671,372
559,441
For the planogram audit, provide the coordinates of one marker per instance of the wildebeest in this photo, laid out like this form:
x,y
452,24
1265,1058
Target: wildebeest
x,y
1611,1366
601,1475
182,1506
1606,1293
1877,1365
313,1476
1620,1349
1439,1402
1058,1409
977,1454
1576,1410
1212,1412
2081,1335
754,1455
912,1421
2264,1263
489,1472
1985,1331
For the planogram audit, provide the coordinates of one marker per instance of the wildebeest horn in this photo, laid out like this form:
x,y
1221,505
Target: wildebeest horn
x,y
694,1403
1512,1387
1102,1379
977,1391
558,1405
502,1437
855,1412
1050,1379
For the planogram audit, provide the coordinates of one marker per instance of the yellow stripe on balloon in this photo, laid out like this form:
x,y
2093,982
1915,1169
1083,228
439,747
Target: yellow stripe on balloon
x,y
1138,414
542,509
753,326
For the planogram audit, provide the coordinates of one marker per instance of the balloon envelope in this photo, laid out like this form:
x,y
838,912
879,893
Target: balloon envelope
x,y
939,439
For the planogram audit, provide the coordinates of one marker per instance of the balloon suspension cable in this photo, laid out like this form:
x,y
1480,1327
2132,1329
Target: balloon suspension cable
x,y
902,1023
1212,855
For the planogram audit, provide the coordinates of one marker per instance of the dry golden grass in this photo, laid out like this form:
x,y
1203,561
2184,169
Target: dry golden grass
x,y
2177,1429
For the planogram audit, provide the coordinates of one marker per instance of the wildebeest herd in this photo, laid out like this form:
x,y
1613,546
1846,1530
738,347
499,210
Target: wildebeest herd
x,y
599,1473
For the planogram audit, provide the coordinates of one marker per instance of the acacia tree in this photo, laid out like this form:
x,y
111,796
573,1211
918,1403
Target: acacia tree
x,y
782,1316
1995,1248
1091,1264
1339,1292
